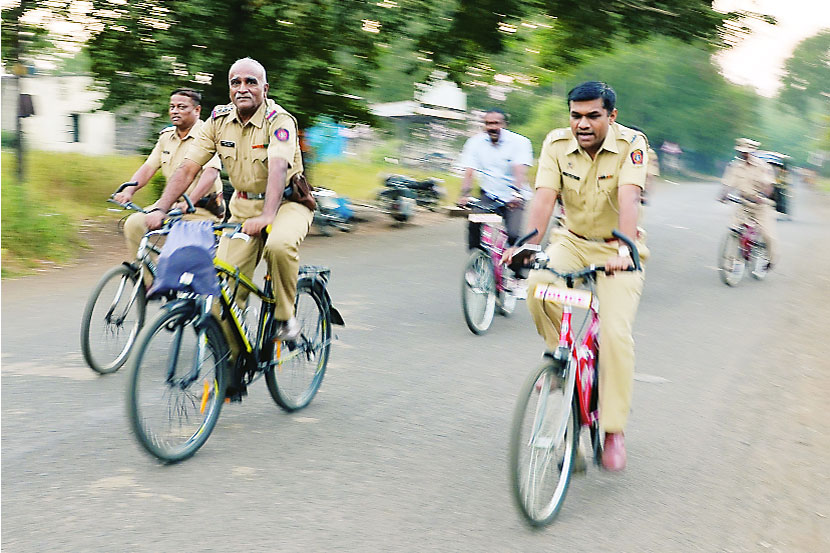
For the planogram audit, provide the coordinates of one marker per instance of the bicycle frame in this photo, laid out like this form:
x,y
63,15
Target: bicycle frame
x,y
584,353
228,302
494,240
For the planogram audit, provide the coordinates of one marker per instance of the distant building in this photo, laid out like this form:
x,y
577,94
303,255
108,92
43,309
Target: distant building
x,y
429,124
67,118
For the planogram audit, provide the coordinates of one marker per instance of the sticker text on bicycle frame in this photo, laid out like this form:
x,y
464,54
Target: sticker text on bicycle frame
x,y
484,218
565,296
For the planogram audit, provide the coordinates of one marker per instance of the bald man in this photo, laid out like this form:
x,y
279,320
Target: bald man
x,y
258,144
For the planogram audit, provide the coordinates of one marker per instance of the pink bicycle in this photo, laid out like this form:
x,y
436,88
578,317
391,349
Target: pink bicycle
x,y
487,287
558,399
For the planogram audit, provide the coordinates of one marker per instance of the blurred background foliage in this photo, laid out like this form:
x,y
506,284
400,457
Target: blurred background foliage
x,y
334,58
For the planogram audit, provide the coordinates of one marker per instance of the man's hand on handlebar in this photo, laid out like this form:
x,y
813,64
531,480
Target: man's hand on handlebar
x,y
618,263
125,196
154,219
254,225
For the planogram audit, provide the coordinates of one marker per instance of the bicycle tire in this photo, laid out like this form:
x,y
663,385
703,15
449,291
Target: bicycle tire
x,y
760,261
170,385
478,292
301,364
105,351
730,263
553,408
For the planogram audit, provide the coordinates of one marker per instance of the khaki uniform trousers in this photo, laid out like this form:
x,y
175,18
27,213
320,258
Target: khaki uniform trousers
x,y
766,217
135,228
281,250
619,296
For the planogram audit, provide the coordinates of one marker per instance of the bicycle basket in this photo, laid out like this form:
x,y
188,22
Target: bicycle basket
x,y
186,260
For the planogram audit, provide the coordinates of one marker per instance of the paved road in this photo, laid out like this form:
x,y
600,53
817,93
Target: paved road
x,y
404,449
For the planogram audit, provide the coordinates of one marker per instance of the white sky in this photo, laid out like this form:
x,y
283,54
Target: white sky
x,y
759,60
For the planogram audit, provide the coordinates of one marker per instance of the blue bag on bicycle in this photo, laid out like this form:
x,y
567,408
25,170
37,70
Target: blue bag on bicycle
x,y
186,260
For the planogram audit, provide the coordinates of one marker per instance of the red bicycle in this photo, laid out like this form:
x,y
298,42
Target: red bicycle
x,y
559,399
743,247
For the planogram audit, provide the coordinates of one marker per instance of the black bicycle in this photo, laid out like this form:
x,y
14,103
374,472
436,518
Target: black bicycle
x,y
180,370
115,310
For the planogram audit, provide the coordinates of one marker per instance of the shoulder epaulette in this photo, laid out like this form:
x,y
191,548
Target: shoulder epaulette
x,y
219,111
630,135
167,129
559,134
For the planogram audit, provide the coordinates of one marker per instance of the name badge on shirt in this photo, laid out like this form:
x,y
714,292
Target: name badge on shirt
x,y
228,143
570,175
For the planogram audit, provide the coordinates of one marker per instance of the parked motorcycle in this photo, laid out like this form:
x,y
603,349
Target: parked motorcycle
x,y
397,200
428,192
332,211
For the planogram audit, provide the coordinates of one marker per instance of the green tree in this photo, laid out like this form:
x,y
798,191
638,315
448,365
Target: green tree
x,y
674,92
806,80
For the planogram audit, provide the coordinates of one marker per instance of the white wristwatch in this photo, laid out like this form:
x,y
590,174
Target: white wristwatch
x,y
624,251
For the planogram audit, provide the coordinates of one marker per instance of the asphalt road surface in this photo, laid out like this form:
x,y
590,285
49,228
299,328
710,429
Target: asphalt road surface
x,y
405,446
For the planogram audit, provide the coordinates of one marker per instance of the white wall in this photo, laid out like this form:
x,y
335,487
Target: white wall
x,y
55,98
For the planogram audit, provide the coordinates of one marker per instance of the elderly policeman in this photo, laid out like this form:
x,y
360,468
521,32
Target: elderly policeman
x,y
598,168
754,180
168,153
501,158
257,142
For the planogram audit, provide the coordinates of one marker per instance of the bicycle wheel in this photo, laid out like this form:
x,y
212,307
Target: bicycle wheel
x,y
731,263
113,316
177,385
301,364
543,444
760,261
478,292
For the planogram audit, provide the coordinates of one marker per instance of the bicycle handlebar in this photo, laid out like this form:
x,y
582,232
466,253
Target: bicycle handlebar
x,y
541,260
134,207
125,185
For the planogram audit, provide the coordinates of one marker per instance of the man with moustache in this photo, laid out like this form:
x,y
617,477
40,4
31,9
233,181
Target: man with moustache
x,y
204,188
501,158
258,144
598,168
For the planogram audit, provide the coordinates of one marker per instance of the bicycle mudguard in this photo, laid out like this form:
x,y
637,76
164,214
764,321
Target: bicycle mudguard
x,y
336,317
319,276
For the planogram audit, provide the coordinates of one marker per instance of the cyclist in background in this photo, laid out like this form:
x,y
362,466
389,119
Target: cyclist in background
x,y
598,168
754,180
204,190
501,158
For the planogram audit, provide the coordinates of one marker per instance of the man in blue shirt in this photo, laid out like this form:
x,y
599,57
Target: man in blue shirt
x,y
501,158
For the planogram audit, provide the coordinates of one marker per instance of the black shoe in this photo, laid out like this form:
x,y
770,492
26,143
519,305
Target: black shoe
x,y
236,388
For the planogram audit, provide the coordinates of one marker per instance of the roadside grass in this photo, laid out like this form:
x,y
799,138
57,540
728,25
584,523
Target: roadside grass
x,y
41,219
823,184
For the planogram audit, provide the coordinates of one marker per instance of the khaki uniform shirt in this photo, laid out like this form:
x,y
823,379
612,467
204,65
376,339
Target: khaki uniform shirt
x,y
588,187
749,177
170,150
245,149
